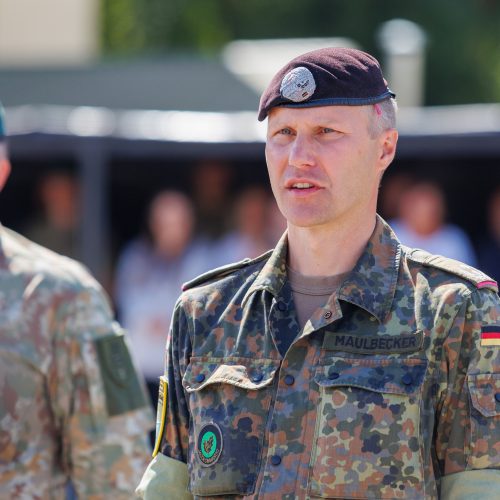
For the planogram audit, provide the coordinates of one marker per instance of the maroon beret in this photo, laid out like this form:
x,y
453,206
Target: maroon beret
x,y
326,77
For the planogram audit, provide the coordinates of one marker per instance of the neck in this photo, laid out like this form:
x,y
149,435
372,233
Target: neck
x,y
320,251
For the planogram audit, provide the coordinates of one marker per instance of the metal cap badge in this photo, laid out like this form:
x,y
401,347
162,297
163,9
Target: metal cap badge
x,y
298,84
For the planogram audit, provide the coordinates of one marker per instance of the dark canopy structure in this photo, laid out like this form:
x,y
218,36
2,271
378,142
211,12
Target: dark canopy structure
x,y
126,128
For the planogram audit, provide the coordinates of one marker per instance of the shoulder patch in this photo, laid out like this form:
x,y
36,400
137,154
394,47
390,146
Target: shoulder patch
x,y
475,276
121,383
490,336
221,272
161,413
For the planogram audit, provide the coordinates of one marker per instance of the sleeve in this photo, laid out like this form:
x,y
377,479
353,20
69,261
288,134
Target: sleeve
x,y
467,440
167,474
100,401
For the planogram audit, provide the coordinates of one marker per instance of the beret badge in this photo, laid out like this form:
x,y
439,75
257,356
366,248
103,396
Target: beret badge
x,y
298,84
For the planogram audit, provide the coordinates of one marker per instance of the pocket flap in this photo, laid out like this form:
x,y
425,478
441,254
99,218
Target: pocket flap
x,y
387,375
246,373
485,393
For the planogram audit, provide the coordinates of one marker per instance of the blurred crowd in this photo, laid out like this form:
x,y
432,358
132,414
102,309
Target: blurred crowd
x,y
418,217
185,235
188,233
418,212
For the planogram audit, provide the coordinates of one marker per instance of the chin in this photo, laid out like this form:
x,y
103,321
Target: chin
x,y
303,216
306,222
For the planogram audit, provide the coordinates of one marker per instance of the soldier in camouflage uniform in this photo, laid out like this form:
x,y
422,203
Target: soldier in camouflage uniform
x,y
72,405
380,378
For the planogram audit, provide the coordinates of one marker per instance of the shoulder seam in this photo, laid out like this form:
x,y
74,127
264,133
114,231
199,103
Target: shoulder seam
x,y
474,276
223,271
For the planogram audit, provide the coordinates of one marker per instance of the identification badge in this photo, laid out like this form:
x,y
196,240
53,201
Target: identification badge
x,y
373,344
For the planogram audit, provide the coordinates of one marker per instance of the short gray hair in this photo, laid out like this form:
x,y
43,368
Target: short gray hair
x,y
384,119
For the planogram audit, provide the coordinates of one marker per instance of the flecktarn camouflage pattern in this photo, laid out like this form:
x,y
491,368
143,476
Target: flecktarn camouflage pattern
x,y
72,405
387,392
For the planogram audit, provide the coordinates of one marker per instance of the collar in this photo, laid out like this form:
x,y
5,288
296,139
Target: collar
x,y
370,285
272,276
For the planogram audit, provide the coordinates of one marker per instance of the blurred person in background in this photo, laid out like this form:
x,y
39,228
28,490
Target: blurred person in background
x,y
489,246
211,183
253,220
392,188
421,224
74,412
150,272
57,226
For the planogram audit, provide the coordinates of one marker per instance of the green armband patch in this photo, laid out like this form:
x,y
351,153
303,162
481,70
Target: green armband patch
x,y
121,384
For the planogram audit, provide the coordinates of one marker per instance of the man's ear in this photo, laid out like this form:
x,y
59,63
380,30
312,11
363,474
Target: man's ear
x,y
4,171
389,140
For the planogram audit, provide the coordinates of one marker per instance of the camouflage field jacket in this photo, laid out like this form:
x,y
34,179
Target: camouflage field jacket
x,y
391,390
72,406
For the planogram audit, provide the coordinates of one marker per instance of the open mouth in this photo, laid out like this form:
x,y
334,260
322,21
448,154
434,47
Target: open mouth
x,y
302,185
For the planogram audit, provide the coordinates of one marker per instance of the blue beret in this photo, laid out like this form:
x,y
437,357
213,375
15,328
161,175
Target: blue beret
x,y
326,77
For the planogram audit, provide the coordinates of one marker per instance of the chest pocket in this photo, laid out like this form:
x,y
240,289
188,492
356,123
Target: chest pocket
x,y
484,389
367,429
229,404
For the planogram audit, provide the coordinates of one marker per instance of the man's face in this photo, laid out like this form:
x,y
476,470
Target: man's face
x,y
323,165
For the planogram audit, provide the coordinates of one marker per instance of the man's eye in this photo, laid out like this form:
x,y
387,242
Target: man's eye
x,y
285,131
327,130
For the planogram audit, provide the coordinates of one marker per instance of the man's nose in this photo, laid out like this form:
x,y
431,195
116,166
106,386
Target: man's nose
x,y
301,152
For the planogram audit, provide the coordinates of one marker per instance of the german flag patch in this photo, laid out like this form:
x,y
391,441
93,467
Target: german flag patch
x,y
490,336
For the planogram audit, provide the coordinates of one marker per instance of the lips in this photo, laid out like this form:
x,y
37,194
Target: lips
x,y
301,186
302,190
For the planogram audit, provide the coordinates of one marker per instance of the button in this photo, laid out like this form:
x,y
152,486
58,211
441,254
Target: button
x,y
282,306
328,315
289,379
407,379
275,459
497,397
200,377
333,375
257,377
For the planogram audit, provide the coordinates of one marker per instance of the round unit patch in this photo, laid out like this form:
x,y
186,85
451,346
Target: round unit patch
x,y
209,444
298,84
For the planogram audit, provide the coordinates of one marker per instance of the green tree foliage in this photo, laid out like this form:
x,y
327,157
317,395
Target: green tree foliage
x,y
463,52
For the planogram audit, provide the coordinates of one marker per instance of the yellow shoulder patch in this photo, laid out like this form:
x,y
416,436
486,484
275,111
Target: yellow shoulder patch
x,y
161,414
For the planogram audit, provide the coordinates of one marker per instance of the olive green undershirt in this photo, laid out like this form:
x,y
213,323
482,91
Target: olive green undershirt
x,y
311,292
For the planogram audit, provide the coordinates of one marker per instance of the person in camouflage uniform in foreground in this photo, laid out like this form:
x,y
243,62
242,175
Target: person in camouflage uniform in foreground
x,y
341,364
72,405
